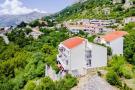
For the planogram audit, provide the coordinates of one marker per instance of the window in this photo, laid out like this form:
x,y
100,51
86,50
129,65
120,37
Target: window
x,y
89,62
89,54
108,43
66,62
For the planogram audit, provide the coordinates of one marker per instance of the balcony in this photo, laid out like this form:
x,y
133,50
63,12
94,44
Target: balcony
x,y
63,51
62,61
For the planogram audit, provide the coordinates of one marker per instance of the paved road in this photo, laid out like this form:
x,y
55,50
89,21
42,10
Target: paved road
x,y
5,38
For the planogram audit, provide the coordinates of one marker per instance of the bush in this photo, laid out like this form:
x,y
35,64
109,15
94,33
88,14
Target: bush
x,y
125,87
30,86
46,84
127,72
113,78
6,86
67,83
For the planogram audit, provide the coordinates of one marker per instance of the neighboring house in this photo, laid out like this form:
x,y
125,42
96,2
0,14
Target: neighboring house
x,y
5,38
5,30
2,30
117,1
104,23
83,22
58,26
128,4
96,22
106,10
129,19
91,29
77,55
113,40
35,33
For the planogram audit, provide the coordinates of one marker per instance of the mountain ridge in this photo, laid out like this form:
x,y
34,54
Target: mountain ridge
x,y
13,20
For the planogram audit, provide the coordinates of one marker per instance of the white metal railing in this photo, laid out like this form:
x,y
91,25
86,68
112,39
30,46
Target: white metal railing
x,y
62,62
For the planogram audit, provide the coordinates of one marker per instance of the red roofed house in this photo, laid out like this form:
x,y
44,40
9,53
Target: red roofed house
x,y
76,55
113,40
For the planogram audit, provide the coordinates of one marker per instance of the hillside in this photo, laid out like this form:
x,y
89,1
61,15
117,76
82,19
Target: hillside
x,y
23,60
100,9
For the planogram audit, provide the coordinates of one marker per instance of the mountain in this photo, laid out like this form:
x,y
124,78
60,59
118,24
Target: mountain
x,y
13,20
99,9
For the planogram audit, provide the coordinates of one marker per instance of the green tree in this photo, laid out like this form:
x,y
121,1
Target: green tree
x,y
22,24
46,84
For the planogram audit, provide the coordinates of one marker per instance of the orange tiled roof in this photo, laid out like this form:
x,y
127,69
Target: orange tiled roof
x,y
73,42
114,35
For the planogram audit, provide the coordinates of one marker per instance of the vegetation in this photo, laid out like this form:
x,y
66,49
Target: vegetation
x,y
113,78
129,45
93,9
23,60
47,84
119,68
18,36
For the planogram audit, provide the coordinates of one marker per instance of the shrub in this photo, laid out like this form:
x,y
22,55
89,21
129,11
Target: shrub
x,y
30,86
46,84
127,72
67,83
113,78
125,87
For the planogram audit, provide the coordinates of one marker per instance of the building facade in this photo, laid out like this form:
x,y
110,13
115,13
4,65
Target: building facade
x,y
114,40
117,1
129,19
90,29
77,55
104,23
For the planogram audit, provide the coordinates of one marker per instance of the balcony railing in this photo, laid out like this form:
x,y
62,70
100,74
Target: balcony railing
x,y
63,52
62,61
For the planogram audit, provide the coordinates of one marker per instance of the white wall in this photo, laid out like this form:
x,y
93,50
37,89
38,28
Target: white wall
x,y
77,60
99,56
117,46
77,57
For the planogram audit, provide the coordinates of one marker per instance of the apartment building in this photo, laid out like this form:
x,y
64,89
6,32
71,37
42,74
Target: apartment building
x,y
91,29
104,23
114,40
77,55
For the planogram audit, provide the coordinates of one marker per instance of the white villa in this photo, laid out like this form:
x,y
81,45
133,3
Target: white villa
x,y
114,40
77,55
35,33
129,19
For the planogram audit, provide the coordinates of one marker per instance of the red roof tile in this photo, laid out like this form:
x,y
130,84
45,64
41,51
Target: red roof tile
x,y
73,42
114,35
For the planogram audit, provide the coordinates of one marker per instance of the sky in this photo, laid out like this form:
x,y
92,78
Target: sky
x,y
16,7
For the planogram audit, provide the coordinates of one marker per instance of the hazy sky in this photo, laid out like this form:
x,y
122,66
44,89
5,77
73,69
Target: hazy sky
x,y
26,6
